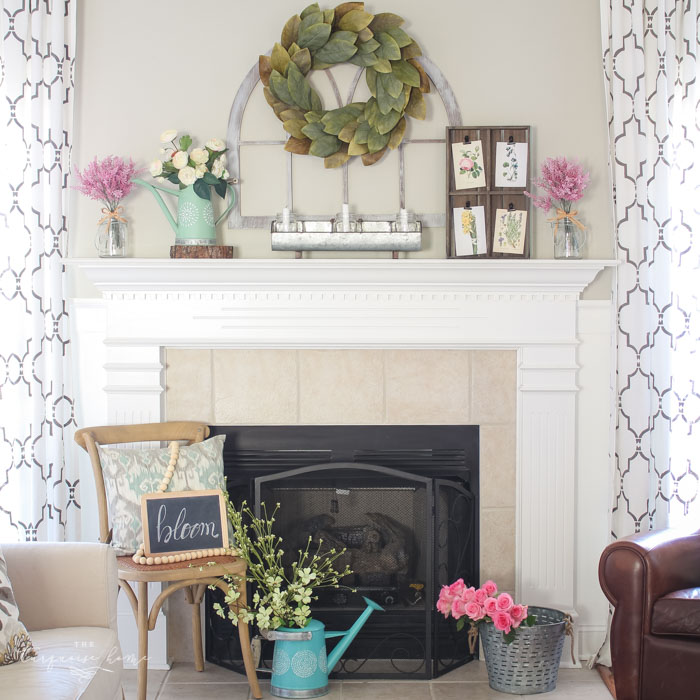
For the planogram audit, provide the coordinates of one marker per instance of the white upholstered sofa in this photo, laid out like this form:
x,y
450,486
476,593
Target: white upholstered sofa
x,y
67,598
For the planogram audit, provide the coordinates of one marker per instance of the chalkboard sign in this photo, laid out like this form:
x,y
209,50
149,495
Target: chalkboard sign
x,y
183,521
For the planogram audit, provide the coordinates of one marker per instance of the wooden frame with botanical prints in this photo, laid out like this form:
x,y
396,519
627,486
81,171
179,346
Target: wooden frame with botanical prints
x,y
489,196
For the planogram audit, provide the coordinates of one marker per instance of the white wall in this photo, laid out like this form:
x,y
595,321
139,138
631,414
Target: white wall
x,y
143,67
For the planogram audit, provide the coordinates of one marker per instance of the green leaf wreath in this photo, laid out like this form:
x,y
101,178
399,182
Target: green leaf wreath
x,y
319,39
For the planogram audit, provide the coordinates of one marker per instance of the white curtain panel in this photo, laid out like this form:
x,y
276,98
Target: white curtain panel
x,y
650,50
38,487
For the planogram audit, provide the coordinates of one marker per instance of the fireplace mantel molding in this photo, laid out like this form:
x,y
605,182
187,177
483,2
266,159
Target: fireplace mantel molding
x,y
531,306
132,275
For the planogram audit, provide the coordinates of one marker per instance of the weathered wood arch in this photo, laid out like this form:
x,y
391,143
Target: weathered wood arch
x,y
237,221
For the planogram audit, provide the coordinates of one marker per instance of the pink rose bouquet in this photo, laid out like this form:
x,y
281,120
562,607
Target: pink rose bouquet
x,y
483,604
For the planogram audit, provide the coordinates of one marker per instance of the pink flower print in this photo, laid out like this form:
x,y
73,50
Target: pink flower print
x,y
490,587
466,164
474,610
491,606
502,621
504,602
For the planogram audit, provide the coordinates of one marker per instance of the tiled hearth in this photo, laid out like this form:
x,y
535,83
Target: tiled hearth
x,y
333,341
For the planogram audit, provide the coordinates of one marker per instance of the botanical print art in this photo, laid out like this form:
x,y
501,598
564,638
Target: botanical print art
x,y
509,233
468,161
511,165
470,231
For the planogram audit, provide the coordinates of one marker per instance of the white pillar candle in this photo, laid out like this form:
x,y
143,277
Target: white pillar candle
x,y
346,217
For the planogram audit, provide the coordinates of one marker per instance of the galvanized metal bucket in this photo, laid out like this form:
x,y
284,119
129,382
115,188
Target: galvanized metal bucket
x,y
530,664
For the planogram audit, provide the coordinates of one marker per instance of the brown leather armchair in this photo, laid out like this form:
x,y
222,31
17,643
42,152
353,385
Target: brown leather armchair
x,y
653,581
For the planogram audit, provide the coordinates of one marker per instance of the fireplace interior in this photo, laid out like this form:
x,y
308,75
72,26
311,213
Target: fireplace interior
x,y
402,501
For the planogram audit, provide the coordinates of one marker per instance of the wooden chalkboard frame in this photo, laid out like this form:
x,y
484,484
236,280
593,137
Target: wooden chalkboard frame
x,y
490,196
157,497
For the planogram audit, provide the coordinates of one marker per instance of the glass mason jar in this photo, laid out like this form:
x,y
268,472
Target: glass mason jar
x,y
111,239
569,239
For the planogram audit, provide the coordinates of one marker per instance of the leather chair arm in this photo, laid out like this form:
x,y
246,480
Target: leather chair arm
x,y
648,566
634,572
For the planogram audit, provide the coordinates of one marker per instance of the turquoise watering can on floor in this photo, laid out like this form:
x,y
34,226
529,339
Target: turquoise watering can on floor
x,y
195,223
300,666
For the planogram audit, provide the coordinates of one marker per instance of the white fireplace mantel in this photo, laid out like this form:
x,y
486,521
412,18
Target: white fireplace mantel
x,y
531,306
133,275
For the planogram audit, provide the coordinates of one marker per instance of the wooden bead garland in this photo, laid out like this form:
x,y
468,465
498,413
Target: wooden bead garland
x,y
140,556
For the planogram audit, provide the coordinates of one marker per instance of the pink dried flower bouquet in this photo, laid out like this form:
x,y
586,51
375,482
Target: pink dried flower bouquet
x,y
563,182
107,180
483,604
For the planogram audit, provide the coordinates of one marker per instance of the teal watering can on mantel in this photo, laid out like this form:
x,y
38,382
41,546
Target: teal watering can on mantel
x,y
195,223
300,666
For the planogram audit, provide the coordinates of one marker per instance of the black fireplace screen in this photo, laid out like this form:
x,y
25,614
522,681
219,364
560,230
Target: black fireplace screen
x,y
406,532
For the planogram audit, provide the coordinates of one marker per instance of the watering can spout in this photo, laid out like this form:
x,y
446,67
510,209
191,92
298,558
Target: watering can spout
x,y
154,190
347,637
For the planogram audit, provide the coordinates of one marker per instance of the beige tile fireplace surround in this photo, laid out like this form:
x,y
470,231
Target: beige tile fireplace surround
x,y
368,387
505,344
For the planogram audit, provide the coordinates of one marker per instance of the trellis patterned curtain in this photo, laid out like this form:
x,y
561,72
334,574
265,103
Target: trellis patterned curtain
x,y
38,487
650,50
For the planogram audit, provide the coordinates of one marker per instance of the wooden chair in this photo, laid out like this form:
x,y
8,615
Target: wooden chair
x,y
178,575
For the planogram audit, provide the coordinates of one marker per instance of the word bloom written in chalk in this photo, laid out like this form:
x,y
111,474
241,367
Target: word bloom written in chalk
x,y
182,530
183,521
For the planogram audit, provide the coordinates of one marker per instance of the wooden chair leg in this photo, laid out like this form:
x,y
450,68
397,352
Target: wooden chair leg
x,y
244,637
142,625
194,595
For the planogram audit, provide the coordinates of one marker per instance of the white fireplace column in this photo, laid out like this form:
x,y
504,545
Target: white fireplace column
x,y
527,305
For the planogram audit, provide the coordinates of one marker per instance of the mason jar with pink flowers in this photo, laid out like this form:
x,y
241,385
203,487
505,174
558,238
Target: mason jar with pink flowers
x,y
563,182
522,644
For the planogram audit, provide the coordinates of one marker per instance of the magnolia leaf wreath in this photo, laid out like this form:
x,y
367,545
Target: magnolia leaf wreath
x,y
317,39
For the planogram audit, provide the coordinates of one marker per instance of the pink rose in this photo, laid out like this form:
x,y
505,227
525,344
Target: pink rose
x,y
518,613
491,606
502,621
468,594
504,602
490,587
458,607
466,164
474,610
457,588
444,604
480,596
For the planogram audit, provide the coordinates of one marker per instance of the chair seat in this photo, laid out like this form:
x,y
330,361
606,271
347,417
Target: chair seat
x,y
179,571
677,614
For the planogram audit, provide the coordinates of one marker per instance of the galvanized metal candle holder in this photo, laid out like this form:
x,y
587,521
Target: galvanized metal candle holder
x,y
324,234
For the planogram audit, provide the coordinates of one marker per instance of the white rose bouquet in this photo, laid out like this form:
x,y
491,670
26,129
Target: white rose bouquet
x,y
202,167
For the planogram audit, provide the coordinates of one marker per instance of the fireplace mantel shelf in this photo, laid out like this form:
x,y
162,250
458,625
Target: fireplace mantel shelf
x,y
182,275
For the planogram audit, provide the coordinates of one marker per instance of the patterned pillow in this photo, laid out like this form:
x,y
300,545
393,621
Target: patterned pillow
x,y
128,474
15,644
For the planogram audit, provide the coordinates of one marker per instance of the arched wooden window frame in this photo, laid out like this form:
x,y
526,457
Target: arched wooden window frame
x,y
237,221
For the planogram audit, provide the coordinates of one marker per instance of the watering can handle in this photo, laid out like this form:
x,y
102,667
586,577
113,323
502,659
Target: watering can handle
x,y
230,206
159,199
